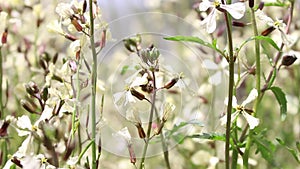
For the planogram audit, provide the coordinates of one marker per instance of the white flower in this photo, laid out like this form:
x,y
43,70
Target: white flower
x,y
277,24
252,121
236,10
124,133
64,10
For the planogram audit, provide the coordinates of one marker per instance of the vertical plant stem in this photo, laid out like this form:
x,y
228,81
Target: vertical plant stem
x,y
94,84
230,87
257,74
149,123
1,80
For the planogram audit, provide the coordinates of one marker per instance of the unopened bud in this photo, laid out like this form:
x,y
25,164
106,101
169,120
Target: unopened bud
x,y
238,24
43,64
84,5
251,3
261,5
137,94
4,36
54,59
141,131
3,129
45,93
31,88
27,106
268,31
288,60
171,83
55,77
76,24
70,37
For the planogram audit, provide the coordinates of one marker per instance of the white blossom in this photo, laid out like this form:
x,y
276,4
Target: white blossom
x,y
236,10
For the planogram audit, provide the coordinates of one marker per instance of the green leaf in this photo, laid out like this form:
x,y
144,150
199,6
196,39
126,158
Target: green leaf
x,y
265,147
196,40
272,78
295,153
210,136
280,96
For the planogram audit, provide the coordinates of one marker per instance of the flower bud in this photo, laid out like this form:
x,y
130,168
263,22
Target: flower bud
x,y
171,83
31,88
238,24
54,59
70,37
3,129
43,64
288,60
4,36
251,3
27,106
76,24
268,31
137,94
261,5
141,131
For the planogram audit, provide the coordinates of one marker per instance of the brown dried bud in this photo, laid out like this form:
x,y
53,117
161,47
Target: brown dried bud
x,y
43,64
4,36
288,60
54,59
268,31
251,3
141,131
261,5
171,83
70,37
3,129
76,24
137,94
16,161
84,6
132,154
238,24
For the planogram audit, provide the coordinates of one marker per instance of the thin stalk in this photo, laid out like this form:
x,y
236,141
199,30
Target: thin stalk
x,y
94,84
1,80
257,74
147,139
230,87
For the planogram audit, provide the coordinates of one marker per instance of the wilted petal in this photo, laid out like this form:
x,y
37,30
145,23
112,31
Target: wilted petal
x,y
264,18
252,121
124,133
204,5
140,81
236,10
252,96
129,98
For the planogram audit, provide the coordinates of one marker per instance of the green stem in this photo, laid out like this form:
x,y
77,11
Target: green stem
x,y
257,74
230,88
94,84
147,139
1,79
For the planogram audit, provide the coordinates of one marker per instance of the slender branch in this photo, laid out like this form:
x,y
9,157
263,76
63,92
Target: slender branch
x,y
1,90
147,139
94,84
258,76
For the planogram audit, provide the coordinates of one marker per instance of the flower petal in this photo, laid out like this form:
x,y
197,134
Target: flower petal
x,y
234,101
204,5
252,96
263,17
236,10
252,121
210,22
233,117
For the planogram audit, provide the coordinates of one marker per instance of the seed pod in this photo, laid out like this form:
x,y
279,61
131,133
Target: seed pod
x,y
268,31
171,83
288,60
251,3
137,94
